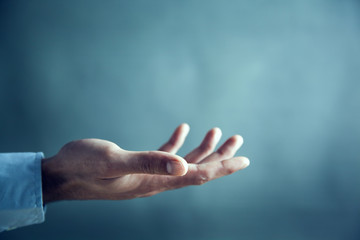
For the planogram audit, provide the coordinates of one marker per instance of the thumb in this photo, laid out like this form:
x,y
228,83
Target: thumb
x,y
156,162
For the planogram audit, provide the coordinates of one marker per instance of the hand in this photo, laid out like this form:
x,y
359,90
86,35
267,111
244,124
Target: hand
x,y
99,169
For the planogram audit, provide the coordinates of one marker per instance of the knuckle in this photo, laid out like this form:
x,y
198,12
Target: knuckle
x,y
224,152
221,151
227,170
201,179
147,166
107,153
206,147
151,165
107,157
171,142
231,171
105,161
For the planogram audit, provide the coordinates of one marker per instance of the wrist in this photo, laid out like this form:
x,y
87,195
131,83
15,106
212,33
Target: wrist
x,y
53,181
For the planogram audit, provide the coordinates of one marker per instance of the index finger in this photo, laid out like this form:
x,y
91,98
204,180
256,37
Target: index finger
x,y
176,140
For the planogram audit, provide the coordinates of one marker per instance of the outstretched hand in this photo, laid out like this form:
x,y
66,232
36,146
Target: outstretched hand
x,y
99,169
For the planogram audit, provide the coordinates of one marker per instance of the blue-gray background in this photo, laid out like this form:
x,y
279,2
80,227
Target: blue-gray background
x,y
283,74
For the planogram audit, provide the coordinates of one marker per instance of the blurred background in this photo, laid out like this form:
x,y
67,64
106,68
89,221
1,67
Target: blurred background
x,y
283,74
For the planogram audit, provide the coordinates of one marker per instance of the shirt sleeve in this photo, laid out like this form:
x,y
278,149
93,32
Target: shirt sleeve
x,y
20,190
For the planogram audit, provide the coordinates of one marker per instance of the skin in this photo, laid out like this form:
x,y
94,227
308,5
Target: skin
x,y
98,169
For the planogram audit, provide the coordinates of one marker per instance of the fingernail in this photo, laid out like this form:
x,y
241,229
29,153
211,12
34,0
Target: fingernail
x,y
175,168
169,167
246,163
187,127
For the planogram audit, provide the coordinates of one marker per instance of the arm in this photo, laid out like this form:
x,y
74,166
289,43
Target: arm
x,y
99,169
20,190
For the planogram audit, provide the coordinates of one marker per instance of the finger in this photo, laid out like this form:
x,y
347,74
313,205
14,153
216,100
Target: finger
x,y
206,147
177,139
199,174
152,162
226,151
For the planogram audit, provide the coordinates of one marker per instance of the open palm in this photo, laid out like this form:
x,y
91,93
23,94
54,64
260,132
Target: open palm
x,y
99,169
